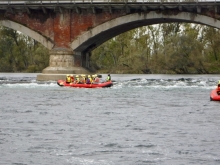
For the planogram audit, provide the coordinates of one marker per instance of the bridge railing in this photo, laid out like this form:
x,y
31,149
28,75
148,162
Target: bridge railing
x,y
99,1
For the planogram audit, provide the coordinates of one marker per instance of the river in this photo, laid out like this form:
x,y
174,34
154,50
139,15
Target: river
x,y
141,120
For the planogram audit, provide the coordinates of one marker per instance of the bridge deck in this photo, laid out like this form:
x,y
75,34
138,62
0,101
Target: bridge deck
x,y
63,2
71,4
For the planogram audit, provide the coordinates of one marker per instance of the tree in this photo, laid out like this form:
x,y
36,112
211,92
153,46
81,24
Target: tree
x,y
18,52
164,48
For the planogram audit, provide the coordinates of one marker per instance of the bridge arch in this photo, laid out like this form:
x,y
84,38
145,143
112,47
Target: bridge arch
x,y
99,34
31,33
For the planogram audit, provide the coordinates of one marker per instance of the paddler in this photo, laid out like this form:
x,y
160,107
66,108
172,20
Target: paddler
x,y
96,79
108,79
89,80
77,81
83,79
218,84
218,88
68,79
72,78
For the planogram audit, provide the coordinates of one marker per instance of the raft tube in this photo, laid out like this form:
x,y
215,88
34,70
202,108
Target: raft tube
x,y
63,83
215,95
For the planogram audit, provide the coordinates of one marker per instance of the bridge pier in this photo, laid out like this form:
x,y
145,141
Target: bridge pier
x,y
63,61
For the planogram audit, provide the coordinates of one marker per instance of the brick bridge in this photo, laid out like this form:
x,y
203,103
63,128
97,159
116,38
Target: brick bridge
x,y
71,29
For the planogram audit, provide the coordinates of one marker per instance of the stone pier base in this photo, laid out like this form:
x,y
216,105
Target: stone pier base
x,y
57,76
51,77
61,63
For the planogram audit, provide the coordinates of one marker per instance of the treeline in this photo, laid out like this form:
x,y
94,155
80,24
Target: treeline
x,y
172,48
20,53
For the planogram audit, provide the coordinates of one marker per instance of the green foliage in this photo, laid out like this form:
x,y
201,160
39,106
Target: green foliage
x,y
178,48
20,53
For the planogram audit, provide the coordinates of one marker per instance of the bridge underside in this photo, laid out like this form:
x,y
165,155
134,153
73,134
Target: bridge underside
x,y
93,42
100,34
72,32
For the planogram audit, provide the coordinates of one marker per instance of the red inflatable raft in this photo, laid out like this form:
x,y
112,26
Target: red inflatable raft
x,y
98,85
215,95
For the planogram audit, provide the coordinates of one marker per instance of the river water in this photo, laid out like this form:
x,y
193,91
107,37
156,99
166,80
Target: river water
x,y
142,119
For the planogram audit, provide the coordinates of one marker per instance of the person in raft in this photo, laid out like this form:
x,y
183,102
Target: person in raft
x,y
218,88
95,79
77,81
88,79
108,78
83,79
72,79
68,79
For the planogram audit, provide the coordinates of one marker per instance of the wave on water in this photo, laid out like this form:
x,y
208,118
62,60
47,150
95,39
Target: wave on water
x,y
168,83
30,82
26,82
